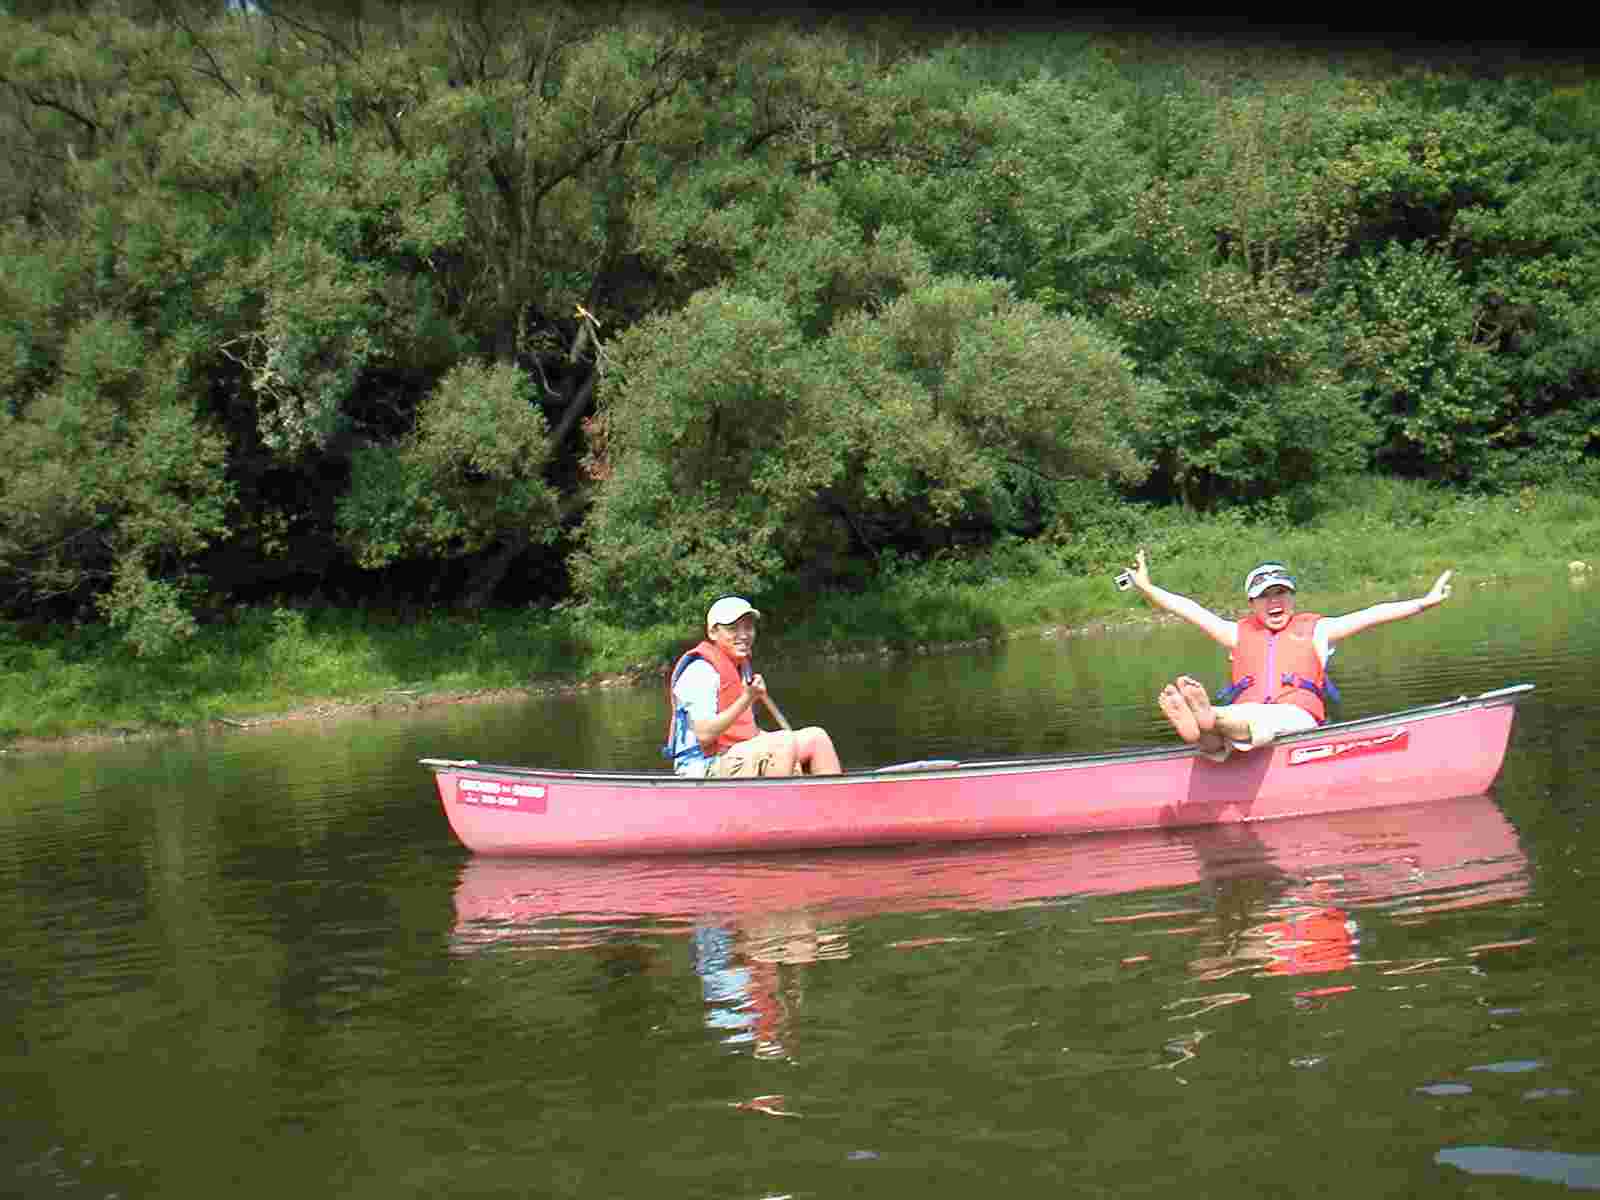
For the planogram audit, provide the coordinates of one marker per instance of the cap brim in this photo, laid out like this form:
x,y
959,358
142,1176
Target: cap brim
x,y
728,618
1270,582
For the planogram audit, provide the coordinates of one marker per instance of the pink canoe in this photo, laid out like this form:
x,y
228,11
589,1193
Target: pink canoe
x,y
1422,754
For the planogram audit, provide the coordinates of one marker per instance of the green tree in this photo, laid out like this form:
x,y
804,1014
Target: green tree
x,y
963,407
1252,405
114,484
470,478
1033,183
695,405
735,451
1467,310
1434,389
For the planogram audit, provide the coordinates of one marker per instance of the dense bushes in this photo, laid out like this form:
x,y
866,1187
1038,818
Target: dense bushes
x,y
623,308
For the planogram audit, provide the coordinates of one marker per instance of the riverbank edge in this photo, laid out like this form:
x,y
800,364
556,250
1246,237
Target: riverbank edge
x,y
393,702
1373,540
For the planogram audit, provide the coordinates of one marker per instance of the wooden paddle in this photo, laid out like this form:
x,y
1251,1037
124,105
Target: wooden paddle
x,y
777,713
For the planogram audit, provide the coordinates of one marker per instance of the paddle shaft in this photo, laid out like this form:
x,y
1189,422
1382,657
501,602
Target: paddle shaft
x,y
777,713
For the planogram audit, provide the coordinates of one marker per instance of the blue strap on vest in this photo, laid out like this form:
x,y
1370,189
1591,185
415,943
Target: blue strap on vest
x,y
1230,693
680,715
1328,690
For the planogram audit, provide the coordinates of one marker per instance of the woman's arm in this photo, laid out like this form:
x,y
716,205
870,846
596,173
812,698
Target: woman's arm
x,y
1394,610
1219,629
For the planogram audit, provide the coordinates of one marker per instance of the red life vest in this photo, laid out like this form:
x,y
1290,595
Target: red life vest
x,y
1279,668
730,686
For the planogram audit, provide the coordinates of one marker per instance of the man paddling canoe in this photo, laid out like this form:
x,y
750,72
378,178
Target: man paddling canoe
x,y
1279,659
712,690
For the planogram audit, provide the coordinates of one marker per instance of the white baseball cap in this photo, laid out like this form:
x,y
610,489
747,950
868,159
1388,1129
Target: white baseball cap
x,y
1265,576
728,610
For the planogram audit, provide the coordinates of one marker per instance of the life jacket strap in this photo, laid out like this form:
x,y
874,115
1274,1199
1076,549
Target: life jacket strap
x,y
1230,693
680,722
1327,689
679,716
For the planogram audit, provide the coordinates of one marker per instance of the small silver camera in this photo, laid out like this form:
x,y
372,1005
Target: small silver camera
x,y
1124,581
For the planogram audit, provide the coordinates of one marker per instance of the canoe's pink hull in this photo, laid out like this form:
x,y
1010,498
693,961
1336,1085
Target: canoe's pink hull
x,y
1423,754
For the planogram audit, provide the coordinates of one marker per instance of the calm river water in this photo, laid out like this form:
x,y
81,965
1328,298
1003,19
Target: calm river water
x,y
258,965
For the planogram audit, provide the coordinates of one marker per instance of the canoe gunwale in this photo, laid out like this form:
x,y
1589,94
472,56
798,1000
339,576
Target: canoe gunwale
x,y
967,768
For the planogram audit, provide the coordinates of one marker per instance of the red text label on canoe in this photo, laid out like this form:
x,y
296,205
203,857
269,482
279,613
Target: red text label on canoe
x,y
1377,743
502,793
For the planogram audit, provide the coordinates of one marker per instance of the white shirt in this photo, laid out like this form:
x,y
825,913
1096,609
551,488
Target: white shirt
x,y
694,695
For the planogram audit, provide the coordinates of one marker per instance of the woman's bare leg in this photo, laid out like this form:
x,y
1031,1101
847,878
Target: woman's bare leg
x,y
1179,713
1211,733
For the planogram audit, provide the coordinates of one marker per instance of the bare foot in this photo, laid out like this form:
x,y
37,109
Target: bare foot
x,y
1194,692
1178,712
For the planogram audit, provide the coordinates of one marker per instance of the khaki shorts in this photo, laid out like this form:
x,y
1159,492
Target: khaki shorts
x,y
748,759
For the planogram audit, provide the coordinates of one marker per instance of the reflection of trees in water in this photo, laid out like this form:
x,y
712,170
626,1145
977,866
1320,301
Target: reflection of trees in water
x,y
620,960
631,986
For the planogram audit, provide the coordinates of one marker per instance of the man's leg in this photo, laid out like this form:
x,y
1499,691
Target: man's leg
x,y
814,751
783,759
764,754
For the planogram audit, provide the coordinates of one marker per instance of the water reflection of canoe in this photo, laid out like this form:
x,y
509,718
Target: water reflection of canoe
x,y
1422,754
1430,856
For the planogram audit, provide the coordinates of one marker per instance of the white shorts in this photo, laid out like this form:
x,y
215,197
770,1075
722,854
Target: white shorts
x,y
1270,721
1267,722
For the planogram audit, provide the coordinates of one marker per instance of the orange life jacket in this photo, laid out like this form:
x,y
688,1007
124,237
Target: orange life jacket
x,y
1279,668
730,686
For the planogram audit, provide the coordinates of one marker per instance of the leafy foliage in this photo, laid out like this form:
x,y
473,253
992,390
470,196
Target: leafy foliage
x,y
320,300
1252,405
469,476
113,484
1435,391
735,449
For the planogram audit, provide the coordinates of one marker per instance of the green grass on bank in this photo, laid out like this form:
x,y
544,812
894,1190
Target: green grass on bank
x,y
1354,543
